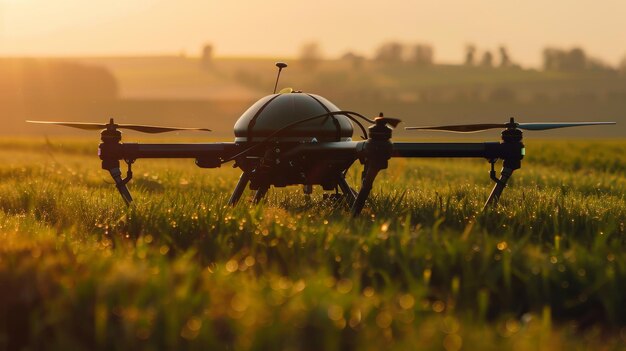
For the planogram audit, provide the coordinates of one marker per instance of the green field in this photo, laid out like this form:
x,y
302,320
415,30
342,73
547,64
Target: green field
x,y
422,268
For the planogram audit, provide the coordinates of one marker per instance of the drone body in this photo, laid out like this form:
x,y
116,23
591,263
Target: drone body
x,y
268,166
295,138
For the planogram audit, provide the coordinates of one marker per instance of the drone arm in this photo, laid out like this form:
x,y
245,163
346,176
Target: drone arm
x,y
132,151
206,155
488,150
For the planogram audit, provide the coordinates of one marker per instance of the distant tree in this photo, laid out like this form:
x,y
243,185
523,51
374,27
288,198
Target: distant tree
x,y
622,66
470,55
575,60
311,54
568,60
207,56
391,52
505,60
551,59
487,59
355,60
422,55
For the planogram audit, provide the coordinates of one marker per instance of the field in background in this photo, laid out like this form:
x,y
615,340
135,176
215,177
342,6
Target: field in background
x,y
172,90
422,268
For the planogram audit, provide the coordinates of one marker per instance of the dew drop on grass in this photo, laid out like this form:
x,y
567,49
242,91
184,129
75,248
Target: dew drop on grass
x,y
406,301
427,274
450,325
355,318
385,227
232,266
438,306
344,286
383,320
502,245
194,324
239,303
335,312
299,285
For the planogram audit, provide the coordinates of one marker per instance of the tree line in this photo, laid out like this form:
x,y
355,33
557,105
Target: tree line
x,y
423,54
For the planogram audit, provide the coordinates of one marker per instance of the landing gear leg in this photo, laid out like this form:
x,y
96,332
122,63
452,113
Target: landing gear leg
x,y
239,188
260,194
369,174
505,174
347,191
113,166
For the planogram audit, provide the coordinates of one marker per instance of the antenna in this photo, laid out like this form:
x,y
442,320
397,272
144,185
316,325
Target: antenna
x,y
280,66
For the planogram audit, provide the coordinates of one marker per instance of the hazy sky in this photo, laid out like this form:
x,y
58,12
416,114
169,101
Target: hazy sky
x,y
278,28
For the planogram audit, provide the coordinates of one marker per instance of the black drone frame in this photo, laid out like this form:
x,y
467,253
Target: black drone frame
x,y
374,153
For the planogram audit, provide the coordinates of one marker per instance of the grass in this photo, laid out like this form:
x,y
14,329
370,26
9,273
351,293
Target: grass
x,y
422,268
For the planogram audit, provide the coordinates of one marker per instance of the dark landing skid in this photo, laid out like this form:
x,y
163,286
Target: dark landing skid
x,y
346,190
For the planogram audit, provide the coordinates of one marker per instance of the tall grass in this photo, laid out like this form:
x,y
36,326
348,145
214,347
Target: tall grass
x,y
422,267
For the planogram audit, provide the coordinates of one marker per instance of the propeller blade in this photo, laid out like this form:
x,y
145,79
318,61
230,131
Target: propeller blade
x,y
136,127
156,129
463,128
546,126
86,126
471,128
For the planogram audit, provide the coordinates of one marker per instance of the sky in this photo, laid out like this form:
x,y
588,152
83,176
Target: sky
x,y
278,28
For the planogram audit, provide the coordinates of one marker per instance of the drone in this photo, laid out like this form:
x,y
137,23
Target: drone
x,y
296,138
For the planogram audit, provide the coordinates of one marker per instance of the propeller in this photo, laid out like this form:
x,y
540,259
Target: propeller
x,y
472,128
112,125
393,122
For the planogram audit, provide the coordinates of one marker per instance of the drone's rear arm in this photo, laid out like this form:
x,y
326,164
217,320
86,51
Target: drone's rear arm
x,y
511,150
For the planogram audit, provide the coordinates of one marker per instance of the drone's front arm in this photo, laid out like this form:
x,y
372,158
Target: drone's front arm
x,y
487,150
482,150
111,152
